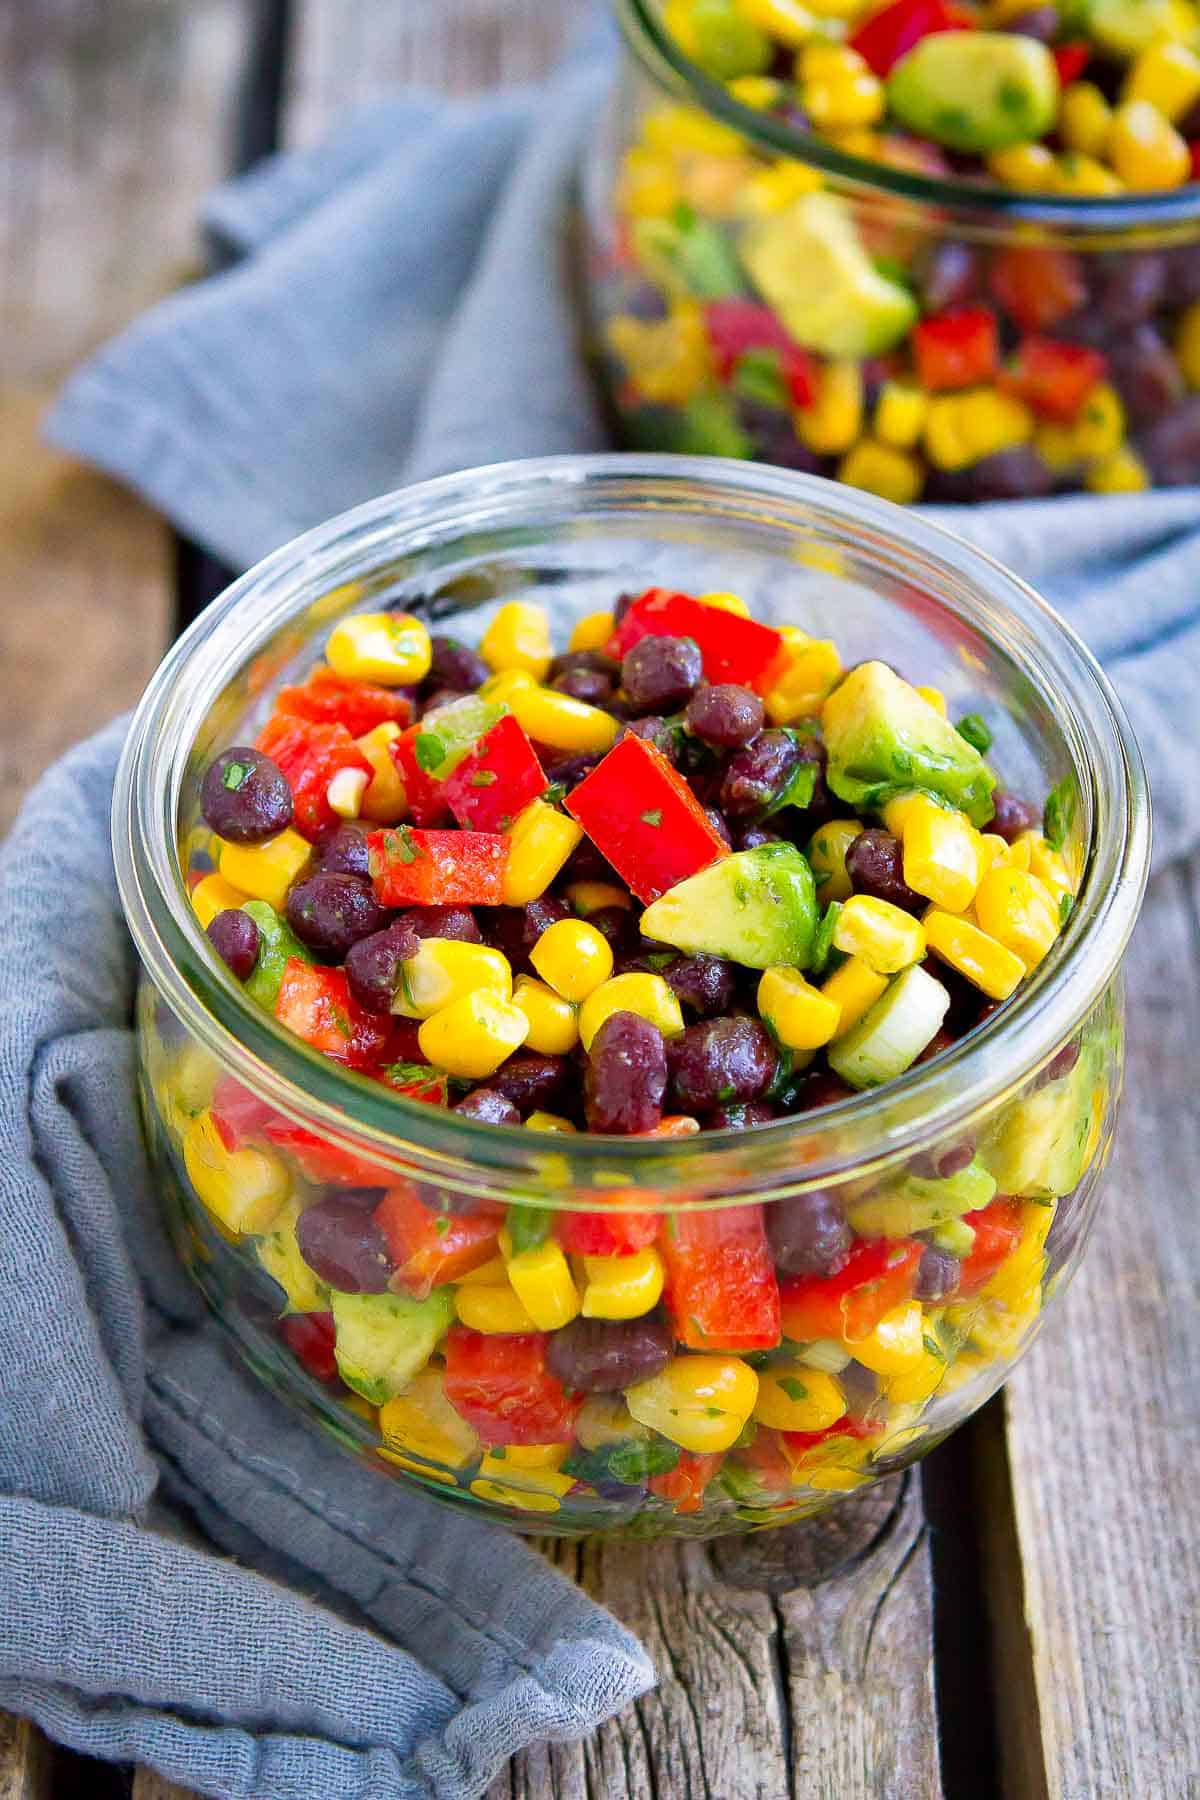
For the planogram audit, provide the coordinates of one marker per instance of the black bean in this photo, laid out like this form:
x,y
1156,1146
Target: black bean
x,y
822,1089
531,1081
1183,264
1017,474
453,665
1145,374
486,1104
941,1040
618,926
875,865
1060,1064
1011,816
567,767
373,965
704,984
719,1060
740,1118
717,821
603,1356
234,936
942,1163
937,1274
588,685
1172,447
808,1233
516,929
342,1244
757,774
626,1075
331,912
725,714
753,837
951,276
660,674
345,852
595,660
1127,287
1040,22
656,730
457,922
245,797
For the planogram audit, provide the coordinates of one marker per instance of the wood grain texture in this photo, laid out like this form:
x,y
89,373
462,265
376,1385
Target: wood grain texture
x,y
149,1785
24,1761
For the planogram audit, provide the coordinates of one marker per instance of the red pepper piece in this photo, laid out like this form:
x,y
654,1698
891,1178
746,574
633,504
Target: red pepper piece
x,y
317,1004
1037,287
495,780
606,1234
721,1288
328,698
431,1248
437,868
310,755
800,1441
416,1081
324,1163
731,648
735,325
888,35
1071,60
424,798
877,1276
1054,378
310,1337
500,1385
686,1482
644,818
956,349
997,1228
239,1115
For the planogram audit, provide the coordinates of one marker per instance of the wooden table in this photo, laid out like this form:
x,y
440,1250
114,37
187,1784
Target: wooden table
x,y
1018,1616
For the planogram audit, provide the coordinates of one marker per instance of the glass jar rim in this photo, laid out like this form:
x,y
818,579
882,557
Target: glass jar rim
x,y
923,1103
993,205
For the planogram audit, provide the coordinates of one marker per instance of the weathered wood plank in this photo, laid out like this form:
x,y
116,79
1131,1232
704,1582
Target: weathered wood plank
x,y
24,1761
149,1785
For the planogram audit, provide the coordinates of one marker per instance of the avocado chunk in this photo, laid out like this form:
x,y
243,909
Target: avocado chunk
x,y
279,1254
920,1204
688,256
808,263
1043,1145
756,907
976,90
884,739
383,1339
277,943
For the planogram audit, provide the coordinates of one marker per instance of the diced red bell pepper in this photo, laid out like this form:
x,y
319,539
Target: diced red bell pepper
x,y
322,1162
886,36
878,1275
328,698
310,1337
1037,286
735,325
644,818
316,1003
686,1482
764,1456
424,798
416,1081
956,349
606,1234
1053,378
1071,60
721,1288
797,1442
731,648
500,1385
431,1248
239,1115
309,756
437,868
496,780
997,1228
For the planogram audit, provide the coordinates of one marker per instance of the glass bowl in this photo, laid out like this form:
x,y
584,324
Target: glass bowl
x,y
755,291
247,1125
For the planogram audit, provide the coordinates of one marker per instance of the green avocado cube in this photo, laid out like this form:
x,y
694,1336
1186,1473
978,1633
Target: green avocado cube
x,y
756,907
976,90
384,1339
810,266
884,739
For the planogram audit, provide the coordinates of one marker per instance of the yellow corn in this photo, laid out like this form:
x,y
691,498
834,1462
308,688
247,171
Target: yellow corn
x,y
213,895
989,421
973,953
941,856
390,649
880,469
530,1487
345,792
793,1397
933,697
1187,345
194,1075
993,852
1056,446
489,1274
833,421
573,958
524,1499
804,673
886,938
900,414
726,602
443,970
532,1456
622,1287
669,359
421,1422
541,1280
518,638
553,1022
800,1015
827,854
756,91
473,1035
648,186
774,189
505,683
921,1380
244,1190
1047,864
701,1403
1019,1277
562,722
647,995
1030,167
787,21
1123,472
279,1253
688,128
385,801
854,989
1019,912
1145,149
493,1310
591,632
1075,173
587,897
547,1121
1168,76
426,1470
1100,428
897,1342
1084,118
266,871
540,841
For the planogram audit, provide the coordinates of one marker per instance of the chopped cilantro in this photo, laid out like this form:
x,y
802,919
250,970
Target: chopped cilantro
x,y
653,817
429,750
635,1462
555,792
795,1390
1064,910
1058,815
934,1348
975,730
441,1224
483,778
714,1412
235,774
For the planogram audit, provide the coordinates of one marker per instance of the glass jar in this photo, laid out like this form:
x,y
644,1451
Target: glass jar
x,y
756,292
248,1126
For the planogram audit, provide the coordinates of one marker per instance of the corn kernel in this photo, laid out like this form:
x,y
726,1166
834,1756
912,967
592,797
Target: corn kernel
x,y
587,897
725,602
1056,446
573,958
900,414
668,360
345,792
989,421
384,802
941,855
1030,167
1168,77
854,989
622,1287
879,469
844,99
973,953
279,1253
532,1456
1100,428
1018,912
194,1075
518,638
934,697
521,1481
548,1121
1123,472
1075,173
504,684
897,1342
827,854
647,995
493,1310
245,1190
800,1015
942,437
1047,864
266,871
541,1280
553,1021
422,1422
884,936
213,895
787,21
1084,118
701,1402
540,841
492,1273
801,677
774,189
473,1035
688,128
591,632
833,421
524,1499
562,722
914,1385
1187,344
759,92
443,970
793,1397
390,648
993,852
648,186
